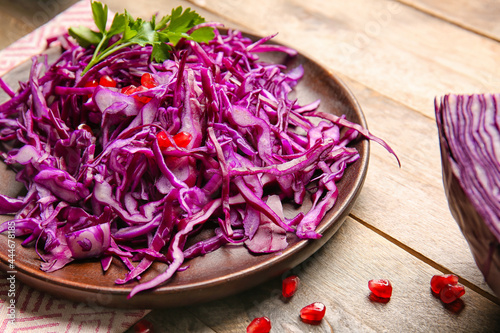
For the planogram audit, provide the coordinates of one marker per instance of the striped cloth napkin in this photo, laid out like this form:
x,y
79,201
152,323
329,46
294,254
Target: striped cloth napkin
x,y
35,310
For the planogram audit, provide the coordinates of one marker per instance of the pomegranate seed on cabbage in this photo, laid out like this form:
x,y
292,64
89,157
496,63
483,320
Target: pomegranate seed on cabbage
x,y
99,184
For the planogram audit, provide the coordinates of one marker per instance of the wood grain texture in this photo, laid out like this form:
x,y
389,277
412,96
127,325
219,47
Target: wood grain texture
x,y
409,204
394,49
396,56
20,17
337,275
480,17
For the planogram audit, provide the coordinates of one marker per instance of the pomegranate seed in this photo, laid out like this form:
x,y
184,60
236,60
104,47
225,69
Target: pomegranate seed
x,y
148,81
451,292
85,127
289,286
456,306
163,140
92,83
143,99
381,288
140,88
182,139
439,281
128,90
133,89
377,299
313,313
107,81
259,325
143,326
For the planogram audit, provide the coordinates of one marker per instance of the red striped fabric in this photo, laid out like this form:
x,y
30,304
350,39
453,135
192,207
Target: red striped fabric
x,y
34,43
37,311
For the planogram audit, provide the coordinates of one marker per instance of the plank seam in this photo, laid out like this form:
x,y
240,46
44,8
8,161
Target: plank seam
x,y
427,260
449,20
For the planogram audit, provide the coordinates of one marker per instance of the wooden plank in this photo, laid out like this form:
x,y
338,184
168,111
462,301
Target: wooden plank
x,y
147,8
409,204
396,50
480,17
7,23
20,17
337,275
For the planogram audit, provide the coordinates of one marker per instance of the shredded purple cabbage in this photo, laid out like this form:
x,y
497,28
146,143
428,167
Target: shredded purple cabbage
x,y
99,184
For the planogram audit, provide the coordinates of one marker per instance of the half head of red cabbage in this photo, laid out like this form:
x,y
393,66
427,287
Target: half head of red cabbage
x,y
469,136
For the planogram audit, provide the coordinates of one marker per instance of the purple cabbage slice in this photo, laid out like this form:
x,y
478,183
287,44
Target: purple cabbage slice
x,y
469,136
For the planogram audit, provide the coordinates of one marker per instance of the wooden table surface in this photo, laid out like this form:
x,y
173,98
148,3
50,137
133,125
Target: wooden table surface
x,y
396,57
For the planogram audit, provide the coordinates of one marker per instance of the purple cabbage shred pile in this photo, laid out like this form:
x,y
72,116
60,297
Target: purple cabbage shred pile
x,y
98,184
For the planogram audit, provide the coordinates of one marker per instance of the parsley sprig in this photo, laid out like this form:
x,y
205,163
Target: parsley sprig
x,y
161,34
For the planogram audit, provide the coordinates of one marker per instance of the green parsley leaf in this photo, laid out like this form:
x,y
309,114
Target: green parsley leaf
x,y
100,13
145,33
162,34
183,21
85,36
162,24
118,25
161,52
203,35
175,37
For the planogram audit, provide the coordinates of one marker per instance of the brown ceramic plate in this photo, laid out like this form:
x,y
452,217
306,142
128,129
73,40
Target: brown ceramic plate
x,y
226,271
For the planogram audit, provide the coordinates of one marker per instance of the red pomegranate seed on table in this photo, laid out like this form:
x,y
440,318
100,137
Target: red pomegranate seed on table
x,y
259,325
289,286
455,307
313,313
143,326
439,281
451,292
381,288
